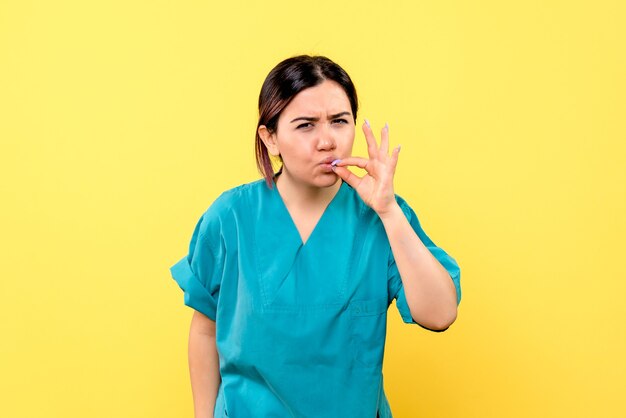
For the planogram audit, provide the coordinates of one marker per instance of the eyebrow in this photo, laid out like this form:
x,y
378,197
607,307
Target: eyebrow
x,y
316,119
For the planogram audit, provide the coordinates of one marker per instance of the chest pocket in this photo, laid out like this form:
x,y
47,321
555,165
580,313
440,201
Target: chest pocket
x,y
368,319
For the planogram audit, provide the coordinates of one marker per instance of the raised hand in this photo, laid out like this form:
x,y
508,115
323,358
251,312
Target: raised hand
x,y
376,186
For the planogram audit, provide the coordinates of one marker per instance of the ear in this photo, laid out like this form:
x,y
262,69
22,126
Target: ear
x,y
269,139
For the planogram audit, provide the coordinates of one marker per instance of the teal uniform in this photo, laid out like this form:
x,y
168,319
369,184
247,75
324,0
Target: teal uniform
x,y
300,328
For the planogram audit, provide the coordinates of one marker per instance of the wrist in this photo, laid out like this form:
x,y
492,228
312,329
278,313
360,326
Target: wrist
x,y
393,211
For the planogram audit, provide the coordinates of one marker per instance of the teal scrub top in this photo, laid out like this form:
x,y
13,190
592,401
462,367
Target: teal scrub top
x,y
300,328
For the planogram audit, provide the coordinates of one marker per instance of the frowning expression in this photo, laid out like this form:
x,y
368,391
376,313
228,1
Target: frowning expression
x,y
314,129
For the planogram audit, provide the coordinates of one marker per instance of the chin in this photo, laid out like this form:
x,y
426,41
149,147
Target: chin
x,y
319,179
326,180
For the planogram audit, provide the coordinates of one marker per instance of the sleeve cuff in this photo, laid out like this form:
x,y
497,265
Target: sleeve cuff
x,y
196,295
405,313
403,307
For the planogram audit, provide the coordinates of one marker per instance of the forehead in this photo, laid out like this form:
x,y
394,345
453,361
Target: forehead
x,y
327,97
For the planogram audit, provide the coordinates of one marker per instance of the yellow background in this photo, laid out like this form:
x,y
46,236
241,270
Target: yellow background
x,y
120,122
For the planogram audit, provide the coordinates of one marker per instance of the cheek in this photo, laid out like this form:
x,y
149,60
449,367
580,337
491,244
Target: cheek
x,y
347,141
295,150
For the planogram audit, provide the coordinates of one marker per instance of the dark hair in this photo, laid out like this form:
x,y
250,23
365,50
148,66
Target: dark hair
x,y
287,79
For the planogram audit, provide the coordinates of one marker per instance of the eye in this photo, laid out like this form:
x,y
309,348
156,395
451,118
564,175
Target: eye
x,y
341,120
304,125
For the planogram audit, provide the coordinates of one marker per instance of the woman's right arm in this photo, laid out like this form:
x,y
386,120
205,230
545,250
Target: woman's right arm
x,y
203,365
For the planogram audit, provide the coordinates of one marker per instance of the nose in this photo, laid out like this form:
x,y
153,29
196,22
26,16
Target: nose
x,y
326,140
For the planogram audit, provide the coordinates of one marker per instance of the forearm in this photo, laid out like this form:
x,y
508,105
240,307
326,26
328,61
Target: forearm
x,y
429,290
204,372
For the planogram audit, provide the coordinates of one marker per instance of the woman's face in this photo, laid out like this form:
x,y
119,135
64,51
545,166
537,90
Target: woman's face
x,y
314,129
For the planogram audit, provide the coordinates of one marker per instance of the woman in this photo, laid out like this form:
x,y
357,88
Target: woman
x,y
291,276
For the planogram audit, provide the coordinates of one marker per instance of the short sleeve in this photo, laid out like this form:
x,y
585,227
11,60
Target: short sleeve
x,y
199,273
395,287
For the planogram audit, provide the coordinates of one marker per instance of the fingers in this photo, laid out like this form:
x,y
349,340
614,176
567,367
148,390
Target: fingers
x,y
384,140
348,176
394,157
372,147
357,161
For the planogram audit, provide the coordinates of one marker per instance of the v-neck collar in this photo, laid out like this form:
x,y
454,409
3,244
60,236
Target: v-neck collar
x,y
283,207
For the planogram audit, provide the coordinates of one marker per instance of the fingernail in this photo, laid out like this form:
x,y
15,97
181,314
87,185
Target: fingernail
x,y
334,163
367,122
386,126
399,146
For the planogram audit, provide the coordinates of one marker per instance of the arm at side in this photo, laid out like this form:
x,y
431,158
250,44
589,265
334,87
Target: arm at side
x,y
203,365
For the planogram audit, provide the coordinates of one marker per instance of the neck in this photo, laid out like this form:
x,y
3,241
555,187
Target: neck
x,y
297,193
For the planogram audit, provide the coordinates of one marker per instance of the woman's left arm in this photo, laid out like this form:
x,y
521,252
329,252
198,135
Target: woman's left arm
x,y
428,287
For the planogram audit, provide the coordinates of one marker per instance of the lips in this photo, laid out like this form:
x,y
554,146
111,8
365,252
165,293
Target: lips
x,y
328,160
325,164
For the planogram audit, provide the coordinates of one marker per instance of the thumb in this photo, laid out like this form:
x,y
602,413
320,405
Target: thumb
x,y
347,176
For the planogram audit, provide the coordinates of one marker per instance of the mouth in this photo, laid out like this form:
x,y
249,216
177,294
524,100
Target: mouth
x,y
326,166
329,160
